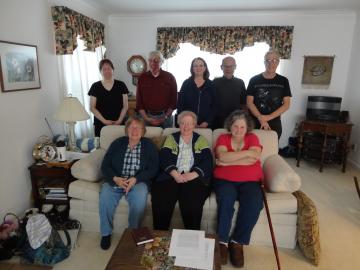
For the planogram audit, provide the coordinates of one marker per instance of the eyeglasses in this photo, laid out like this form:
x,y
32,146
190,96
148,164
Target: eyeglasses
x,y
274,61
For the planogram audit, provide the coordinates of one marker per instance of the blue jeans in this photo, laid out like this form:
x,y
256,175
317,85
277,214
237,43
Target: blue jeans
x,y
109,200
250,204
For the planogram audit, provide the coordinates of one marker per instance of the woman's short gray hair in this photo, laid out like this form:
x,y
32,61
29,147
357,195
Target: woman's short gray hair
x,y
186,113
236,115
156,54
138,120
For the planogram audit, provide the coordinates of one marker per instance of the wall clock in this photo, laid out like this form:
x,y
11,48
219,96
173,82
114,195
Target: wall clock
x,y
136,65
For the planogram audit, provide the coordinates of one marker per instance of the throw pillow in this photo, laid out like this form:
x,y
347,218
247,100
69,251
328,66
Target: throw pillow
x,y
89,167
88,144
308,235
158,141
279,177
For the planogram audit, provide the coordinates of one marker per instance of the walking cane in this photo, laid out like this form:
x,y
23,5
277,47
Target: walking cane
x,y
270,225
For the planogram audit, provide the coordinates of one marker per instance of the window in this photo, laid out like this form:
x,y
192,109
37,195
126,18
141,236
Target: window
x,y
250,62
78,71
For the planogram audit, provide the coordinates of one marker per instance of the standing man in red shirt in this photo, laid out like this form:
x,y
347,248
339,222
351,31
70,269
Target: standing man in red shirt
x,y
156,94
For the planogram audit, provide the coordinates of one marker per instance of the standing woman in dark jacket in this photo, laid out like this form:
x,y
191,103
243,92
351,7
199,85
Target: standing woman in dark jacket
x,y
186,168
197,94
128,167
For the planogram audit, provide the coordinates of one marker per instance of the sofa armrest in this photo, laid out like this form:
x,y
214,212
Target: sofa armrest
x,y
89,167
279,176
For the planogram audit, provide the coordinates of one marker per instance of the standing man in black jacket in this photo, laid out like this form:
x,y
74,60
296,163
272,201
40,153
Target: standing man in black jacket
x,y
230,92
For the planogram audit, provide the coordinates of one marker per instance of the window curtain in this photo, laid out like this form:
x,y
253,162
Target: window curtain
x,y
69,24
225,40
77,73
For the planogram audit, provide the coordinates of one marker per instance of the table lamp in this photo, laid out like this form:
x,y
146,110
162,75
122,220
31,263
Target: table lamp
x,y
70,111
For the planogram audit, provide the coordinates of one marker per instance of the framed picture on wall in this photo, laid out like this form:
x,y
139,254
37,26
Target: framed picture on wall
x,y
19,67
317,70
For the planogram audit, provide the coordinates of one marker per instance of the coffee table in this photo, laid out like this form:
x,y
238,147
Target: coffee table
x,y
17,266
127,254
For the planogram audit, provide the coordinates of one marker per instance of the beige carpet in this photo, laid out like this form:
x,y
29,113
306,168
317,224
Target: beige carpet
x,y
338,208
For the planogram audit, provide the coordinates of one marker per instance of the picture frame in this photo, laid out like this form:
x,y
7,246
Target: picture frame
x,y
317,70
19,67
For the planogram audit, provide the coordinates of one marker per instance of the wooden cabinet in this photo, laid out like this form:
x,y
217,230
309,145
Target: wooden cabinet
x,y
132,106
43,178
340,132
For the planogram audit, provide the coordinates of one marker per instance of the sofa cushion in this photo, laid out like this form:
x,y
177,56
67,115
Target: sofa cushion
x,y
308,228
110,133
89,167
85,190
93,206
158,141
279,203
268,139
279,176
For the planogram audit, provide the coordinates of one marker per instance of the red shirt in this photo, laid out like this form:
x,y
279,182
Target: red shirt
x,y
156,94
239,173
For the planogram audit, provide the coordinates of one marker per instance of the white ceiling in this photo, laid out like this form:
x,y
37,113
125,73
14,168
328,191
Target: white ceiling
x,y
112,7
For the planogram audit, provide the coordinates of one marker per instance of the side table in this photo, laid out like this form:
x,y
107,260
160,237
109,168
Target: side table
x,y
341,130
45,178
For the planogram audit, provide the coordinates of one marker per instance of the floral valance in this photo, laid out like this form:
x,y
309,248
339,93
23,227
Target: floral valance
x,y
69,24
225,40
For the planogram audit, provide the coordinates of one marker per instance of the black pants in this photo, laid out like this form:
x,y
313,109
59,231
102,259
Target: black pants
x,y
191,197
97,129
275,125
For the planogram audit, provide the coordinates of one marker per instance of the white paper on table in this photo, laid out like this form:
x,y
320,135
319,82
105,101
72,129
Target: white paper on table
x,y
199,263
187,243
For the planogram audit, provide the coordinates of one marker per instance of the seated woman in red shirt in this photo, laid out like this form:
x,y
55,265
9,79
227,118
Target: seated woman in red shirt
x,y
236,177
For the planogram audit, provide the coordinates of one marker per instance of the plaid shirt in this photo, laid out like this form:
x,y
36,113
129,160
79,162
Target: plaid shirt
x,y
131,161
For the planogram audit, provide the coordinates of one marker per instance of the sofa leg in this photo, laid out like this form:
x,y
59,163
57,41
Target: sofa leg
x,y
270,225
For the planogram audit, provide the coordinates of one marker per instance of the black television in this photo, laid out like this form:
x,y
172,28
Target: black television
x,y
323,108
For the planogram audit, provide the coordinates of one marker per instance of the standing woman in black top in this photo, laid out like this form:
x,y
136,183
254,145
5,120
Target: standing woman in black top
x,y
108,98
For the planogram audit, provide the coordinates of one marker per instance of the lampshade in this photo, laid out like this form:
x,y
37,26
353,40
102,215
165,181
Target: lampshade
x,y
71,110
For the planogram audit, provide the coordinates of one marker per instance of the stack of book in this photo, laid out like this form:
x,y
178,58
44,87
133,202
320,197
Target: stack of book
x,y
53,193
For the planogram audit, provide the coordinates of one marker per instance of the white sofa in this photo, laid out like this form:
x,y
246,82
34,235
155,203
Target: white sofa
x,y
280,180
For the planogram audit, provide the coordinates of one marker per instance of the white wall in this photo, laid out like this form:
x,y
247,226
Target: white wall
x,y
22,113
316,33
352,96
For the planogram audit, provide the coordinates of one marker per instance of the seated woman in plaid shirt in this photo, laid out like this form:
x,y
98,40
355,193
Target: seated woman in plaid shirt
x,y
186,167
128,167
